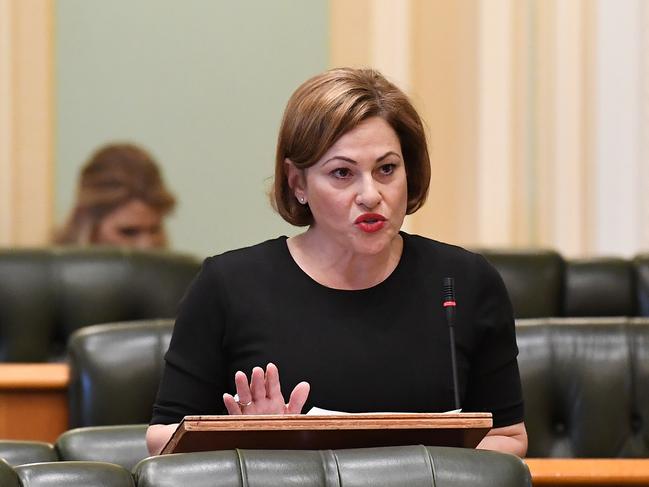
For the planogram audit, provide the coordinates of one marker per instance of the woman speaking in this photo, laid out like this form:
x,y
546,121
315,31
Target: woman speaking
x,y
349,312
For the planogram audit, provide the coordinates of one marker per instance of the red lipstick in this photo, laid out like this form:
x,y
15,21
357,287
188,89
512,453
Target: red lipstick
x,y
370,222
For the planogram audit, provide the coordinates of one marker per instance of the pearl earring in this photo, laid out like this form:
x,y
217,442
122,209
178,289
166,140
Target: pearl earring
x,y
302,199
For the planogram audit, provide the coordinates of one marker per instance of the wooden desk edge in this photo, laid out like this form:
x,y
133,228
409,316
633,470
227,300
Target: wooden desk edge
x,y
40,376
431,421
595,471
347,421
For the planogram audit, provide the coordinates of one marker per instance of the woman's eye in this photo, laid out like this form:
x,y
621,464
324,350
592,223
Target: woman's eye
x,y
341,173
129,231
387,169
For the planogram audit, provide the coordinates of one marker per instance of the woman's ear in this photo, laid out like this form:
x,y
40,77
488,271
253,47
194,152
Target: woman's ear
x,y
295,177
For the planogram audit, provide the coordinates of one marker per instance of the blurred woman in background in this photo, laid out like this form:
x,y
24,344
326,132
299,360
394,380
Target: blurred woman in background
x,y
121,200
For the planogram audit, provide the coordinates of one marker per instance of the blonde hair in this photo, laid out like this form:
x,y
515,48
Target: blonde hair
x,y
113,176
327,106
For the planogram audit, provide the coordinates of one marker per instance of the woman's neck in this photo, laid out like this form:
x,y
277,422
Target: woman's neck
x,y
336,266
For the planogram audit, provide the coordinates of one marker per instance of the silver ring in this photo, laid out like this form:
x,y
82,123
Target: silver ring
x,y
241,404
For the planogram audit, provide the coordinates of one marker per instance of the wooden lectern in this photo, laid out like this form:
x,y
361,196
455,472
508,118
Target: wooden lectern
x,y
306,432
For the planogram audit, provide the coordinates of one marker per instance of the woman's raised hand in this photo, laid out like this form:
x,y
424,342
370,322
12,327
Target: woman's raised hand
x,y
264,395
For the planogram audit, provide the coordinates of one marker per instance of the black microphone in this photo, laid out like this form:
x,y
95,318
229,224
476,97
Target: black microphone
x,y
449,305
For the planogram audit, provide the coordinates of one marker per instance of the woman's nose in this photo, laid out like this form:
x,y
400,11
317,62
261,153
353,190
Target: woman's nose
x,y
368,194
146,240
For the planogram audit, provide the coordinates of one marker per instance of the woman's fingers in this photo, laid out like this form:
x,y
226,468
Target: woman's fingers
x,y
273,388
298,398
263,394
257,385
231,405
243,389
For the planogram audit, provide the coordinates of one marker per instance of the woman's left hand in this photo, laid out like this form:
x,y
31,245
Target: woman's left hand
x,y
264,395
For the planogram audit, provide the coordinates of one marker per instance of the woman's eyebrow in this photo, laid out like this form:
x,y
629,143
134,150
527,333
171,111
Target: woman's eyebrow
x,y
352,161
340,158
388,154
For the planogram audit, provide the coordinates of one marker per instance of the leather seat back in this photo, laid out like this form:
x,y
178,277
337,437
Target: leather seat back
x,y
8,476
586,386
115,370
47,294
377,467
602,286
641,268
534,280
124,445
74,474
18,452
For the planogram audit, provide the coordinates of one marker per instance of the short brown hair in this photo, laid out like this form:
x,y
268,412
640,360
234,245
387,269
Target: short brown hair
x,y
114,175
331,104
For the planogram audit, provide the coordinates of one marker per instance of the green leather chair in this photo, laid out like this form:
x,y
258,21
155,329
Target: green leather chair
x,y
534,280
585,381
124,445
47,294
73,474
541,283
8,476
410,466
601,286
586,386
115,370
18,452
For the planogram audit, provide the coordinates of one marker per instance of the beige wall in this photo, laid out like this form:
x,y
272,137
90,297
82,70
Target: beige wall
x,y
444,72
519,98
202,85
410,51
528,147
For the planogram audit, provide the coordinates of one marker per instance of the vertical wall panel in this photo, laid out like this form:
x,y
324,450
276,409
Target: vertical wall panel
x,y
26,122
617,144
643,108
6,125
537,116
569,175
444,88
350,33
524,86
589,135
494,165
542,152
391,40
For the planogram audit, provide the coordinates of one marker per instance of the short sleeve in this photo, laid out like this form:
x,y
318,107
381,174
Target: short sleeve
x,y
494,383
193,377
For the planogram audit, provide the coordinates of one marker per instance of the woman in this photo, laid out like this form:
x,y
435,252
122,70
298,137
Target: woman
x,y
350,310
121,200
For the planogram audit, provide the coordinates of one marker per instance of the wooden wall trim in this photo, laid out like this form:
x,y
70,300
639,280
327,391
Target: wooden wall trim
x,y
26,122
6,125
588,471
494,161
41,376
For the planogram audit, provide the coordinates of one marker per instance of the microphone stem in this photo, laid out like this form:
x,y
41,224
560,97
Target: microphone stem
x,y
449,306
451,331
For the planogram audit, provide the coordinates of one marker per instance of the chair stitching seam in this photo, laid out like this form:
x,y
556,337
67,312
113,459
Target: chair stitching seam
x,y
340,481
431,465
242,469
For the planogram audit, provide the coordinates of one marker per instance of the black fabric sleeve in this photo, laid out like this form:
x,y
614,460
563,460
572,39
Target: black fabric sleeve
x,y
494,383
193,376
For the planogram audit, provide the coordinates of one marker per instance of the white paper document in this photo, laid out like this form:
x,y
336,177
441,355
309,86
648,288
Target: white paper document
x,y
328,412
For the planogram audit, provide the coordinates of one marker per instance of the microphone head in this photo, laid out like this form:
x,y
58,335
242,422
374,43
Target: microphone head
x,y
449,289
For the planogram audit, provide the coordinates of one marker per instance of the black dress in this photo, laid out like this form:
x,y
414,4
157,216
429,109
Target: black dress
x,y
382,349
